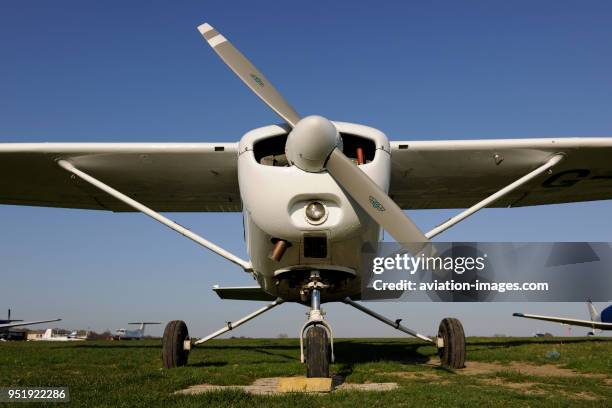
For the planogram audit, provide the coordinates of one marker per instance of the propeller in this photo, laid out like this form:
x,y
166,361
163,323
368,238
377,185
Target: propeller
x,y
250,75
313,146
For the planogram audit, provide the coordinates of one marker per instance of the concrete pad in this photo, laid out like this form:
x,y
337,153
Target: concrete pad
x,y
303,384
261,386
367,387
279,385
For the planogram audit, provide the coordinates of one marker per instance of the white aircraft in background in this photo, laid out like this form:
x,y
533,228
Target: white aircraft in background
x,y
50,336
137,334
313,193
9,323
601,321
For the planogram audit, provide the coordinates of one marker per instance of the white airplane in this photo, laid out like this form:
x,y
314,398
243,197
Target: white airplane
x,y
601,321
5,325
313,192
73,336
137,334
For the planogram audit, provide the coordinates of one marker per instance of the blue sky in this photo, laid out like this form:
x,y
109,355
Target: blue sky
x,y
139,71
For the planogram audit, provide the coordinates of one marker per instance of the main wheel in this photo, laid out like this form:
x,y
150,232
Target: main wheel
x,y
317,353
173,344
452,353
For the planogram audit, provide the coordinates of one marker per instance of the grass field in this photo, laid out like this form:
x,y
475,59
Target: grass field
x,y
501,372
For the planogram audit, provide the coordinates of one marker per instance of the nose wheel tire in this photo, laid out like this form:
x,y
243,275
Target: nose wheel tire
x,y
452,353
173,344
317,353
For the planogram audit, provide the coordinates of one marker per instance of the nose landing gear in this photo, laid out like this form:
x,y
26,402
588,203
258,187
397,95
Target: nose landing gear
x,y
318,350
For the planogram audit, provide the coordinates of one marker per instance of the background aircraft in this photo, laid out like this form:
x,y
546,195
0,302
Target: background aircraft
x,y
601,321
48,335
137,334
8,323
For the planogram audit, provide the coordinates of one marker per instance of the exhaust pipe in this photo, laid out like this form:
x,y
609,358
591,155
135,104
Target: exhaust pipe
x,y
360,158
280,246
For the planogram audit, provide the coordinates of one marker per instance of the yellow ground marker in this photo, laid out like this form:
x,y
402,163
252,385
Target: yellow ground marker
x,y
303,384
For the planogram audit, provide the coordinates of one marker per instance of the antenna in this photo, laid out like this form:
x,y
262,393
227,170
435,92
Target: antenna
x,y
9,320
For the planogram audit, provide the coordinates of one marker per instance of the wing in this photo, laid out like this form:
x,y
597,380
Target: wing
x,y
459,173
16,324
573,322
145,323
163,176
242,293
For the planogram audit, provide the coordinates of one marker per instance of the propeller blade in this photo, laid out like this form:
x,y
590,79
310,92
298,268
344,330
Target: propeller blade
x,y
374,201
249,74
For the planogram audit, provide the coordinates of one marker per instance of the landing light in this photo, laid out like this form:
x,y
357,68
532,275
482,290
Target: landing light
x,y
316,213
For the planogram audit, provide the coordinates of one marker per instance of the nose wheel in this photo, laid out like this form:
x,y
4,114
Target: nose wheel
x,y
317,353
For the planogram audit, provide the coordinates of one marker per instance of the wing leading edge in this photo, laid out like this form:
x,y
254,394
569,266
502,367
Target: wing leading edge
x,y
17,324
563,320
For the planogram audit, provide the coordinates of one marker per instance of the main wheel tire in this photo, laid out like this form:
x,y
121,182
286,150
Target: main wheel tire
x,y
173,344
452,354
317,353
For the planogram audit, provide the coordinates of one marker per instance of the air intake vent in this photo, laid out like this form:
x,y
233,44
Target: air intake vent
x,y
315,247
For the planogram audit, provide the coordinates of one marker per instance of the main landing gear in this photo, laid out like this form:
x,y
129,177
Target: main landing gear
x,y
316,336
175,344
451,343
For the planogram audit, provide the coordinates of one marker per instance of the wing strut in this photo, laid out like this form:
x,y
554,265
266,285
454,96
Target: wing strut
x,y
495,196
156,216
395,324
232,325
